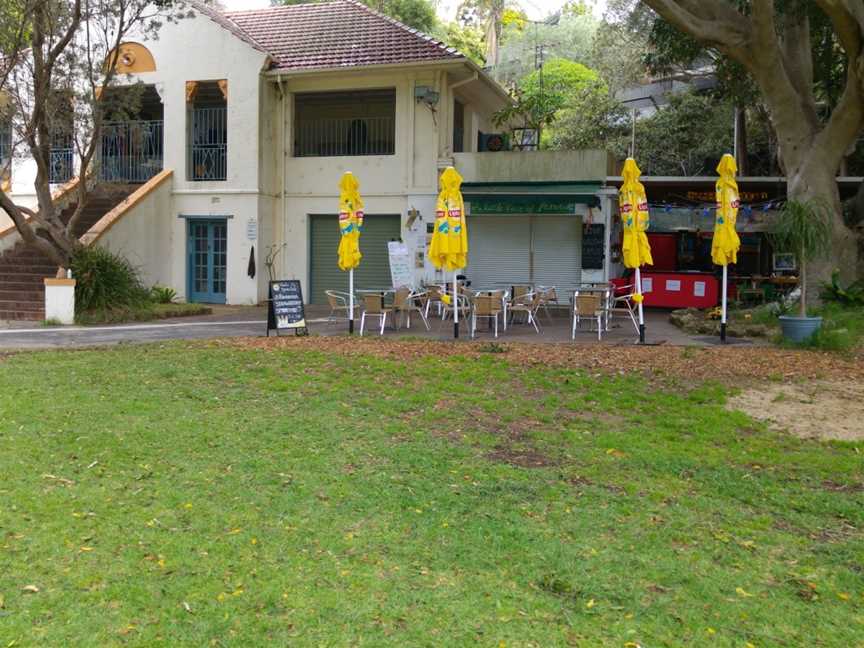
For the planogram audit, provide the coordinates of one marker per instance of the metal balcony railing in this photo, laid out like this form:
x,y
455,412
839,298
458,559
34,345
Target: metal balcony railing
x,y
131,151
208,150
61,164
345,136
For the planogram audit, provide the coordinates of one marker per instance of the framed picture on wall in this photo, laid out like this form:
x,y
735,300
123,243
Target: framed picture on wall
x,y
785,262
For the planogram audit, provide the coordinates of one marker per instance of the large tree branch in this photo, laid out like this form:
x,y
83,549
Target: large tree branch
x,y
701,20
28,233
798,61
740,38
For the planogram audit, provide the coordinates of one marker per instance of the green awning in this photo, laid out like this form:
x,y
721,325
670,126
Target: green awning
x,y
529,197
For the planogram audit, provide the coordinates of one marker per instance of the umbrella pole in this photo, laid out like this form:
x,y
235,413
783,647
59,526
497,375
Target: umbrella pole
x,y
455,307
641,312
723,312
351,301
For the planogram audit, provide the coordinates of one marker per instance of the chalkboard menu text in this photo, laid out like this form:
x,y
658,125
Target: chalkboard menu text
x,y
285,308
593,247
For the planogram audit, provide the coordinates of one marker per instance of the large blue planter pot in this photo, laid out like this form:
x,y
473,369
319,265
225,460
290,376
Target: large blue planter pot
x,y
799,329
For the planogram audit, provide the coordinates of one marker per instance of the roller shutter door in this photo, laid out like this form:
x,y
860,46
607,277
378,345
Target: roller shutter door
x,y
557,251
499,249
544,250
374,269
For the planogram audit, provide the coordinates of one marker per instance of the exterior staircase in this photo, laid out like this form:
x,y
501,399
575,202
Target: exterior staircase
x,y
22,268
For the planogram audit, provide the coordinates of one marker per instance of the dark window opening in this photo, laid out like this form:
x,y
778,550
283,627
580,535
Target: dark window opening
x,y
132,135
208,133
458,126
345,123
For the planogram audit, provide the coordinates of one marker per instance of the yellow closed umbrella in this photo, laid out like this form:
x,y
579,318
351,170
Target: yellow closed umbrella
x,y
350,224
635,217
726,243
448,249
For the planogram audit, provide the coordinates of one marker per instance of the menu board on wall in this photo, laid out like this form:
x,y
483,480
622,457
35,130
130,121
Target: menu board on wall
x,y
593,246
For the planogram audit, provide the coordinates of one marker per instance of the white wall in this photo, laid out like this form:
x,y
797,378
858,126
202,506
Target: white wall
x,y
143,235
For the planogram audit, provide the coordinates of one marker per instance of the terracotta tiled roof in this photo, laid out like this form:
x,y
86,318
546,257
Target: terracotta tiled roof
x,y
225,23
342,33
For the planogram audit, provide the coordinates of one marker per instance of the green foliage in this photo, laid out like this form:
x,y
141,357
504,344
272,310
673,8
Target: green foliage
x,y
465,38
537,103
142,312
686,137
163,294
105,280
851,295
804,229
572,38
842,329
592,118
561,77
198,494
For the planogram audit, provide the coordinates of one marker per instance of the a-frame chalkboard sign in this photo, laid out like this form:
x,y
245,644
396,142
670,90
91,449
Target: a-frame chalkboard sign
x,y
285,310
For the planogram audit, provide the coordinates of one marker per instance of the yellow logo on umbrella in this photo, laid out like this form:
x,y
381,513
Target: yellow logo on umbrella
x,y
633,205
448,249
726,243
350,222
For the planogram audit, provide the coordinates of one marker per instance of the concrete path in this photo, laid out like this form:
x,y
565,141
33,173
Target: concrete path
x,y
228,322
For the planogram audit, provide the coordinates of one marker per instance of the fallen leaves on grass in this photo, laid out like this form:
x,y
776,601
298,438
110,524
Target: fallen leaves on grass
x,y
728,364
30,589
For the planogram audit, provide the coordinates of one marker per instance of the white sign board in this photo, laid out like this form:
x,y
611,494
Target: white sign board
x,y
252,230
647,284
400,265
698,288
673,285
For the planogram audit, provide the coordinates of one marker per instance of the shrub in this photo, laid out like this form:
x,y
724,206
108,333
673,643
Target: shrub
x,y
105,280
163,294
852,295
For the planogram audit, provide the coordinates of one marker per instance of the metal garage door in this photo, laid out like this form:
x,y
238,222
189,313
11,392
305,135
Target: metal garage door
x,y
374,269
544,250
498,250
557,251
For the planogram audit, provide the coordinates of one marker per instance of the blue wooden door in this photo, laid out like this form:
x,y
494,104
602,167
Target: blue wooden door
x,y
208,260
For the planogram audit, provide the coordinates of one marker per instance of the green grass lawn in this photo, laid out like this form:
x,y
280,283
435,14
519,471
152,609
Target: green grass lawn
x,y
194,495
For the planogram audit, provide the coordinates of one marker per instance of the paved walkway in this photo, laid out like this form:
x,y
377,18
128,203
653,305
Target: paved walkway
x,y
228,322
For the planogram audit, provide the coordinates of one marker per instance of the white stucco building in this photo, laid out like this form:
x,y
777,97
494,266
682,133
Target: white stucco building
x,y
250,118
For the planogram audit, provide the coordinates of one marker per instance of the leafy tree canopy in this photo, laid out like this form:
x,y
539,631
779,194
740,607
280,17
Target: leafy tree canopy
x,y
467,39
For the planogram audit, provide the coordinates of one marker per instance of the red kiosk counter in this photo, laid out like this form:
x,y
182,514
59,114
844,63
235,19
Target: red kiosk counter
x,y
677,289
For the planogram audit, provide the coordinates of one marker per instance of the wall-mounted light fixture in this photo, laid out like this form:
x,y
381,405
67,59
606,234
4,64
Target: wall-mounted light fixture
x,y
427,95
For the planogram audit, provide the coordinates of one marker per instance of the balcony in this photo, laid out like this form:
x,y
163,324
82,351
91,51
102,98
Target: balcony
x,y
354,122
535,166
132,151
345,136
208,148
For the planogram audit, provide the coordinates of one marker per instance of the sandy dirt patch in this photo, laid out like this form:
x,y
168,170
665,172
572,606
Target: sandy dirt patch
x,y
823,409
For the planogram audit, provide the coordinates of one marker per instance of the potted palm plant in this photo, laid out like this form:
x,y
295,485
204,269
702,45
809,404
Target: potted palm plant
x,y
803,229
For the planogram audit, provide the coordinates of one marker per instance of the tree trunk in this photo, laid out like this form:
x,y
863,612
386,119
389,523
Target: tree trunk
x,y
741,141
813,181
